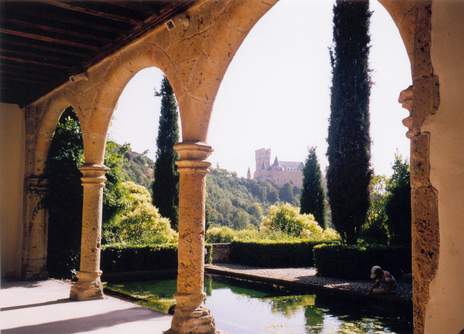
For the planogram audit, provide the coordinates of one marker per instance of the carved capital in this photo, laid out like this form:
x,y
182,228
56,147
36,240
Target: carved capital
x,y
93,175
192,156
36,185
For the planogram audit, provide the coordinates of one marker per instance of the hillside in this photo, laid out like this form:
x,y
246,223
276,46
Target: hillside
x,y
230,200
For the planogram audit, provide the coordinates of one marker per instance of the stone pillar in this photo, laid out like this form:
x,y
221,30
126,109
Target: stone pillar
x,y
35,234
89,284
191,316
424,197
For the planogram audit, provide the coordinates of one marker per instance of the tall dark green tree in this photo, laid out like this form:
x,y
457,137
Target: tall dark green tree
x,y
165,187
312,196
64,196
398,204
349,171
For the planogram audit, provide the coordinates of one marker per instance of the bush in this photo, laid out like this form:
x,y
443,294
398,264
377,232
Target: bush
x,y
287,219
272,254
121,258
140,222
355,262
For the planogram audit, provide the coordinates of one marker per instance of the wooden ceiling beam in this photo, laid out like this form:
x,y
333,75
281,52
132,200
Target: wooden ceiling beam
x,y
47,28
47,39
7,42
28,61
6,78
39,57
75,7
32,70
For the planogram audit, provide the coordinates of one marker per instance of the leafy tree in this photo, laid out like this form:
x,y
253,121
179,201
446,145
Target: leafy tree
x,y
398,203
375,230
113,193
165,187
140,222
64,196
286,218
286,194
349,172
312,196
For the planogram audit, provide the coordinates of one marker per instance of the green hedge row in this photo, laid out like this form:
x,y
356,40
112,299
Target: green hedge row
x,y
124,258
352,262
273,254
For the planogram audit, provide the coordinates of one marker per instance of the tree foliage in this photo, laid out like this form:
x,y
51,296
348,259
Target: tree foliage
x,y
239,202
375,230
165,187
64,195
398,203
139,222
285,218
349,172
313,196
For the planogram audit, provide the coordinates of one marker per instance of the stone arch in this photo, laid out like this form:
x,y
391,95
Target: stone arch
x,y
112,83
51,115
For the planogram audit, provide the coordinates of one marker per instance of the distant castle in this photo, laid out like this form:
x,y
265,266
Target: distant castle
x,y
280,172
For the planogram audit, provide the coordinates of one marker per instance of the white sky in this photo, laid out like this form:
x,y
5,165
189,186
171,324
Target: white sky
x,y
276,92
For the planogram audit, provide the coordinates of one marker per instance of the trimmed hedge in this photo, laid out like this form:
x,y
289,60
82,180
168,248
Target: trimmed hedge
x,y
273,254
123,258
352,262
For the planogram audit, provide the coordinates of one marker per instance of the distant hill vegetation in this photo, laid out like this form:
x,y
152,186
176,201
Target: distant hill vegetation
x,y
138,167
231,200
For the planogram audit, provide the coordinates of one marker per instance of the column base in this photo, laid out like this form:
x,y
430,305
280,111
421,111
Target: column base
x,y
196,321
87,287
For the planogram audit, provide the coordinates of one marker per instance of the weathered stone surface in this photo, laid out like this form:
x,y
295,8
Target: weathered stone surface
x,y
191,316
89,285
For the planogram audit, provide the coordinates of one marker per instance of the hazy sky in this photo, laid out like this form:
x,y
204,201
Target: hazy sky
x,y
276,92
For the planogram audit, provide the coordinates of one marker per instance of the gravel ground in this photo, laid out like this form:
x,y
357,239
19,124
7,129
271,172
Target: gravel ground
x,y
306,277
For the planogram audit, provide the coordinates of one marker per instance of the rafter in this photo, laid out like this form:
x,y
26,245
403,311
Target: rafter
x,y
47,28
75,7
47,39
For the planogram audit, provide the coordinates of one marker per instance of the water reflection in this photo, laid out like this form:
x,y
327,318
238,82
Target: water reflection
x,y
242,310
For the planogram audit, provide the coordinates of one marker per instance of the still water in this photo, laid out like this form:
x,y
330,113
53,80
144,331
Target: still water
x,y
241,309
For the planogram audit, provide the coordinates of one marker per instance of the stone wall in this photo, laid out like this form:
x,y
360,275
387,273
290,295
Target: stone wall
x,y
12,139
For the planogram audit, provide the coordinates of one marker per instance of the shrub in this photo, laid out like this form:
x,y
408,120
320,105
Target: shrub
x,y
287,219
273,254
121,257
217,234
140,222
355,262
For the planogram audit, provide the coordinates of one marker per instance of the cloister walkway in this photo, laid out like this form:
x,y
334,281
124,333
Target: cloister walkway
x,y
44,307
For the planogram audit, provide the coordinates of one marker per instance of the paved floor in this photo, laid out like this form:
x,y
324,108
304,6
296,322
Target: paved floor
x,y
306,278
43,307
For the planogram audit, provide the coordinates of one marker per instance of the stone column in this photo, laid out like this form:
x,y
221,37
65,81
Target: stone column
x,y
34,260
89,284
191,316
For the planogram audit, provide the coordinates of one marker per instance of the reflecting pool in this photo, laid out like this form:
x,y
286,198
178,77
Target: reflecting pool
x,y
241,309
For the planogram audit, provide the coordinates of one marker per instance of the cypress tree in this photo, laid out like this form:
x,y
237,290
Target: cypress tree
x,y
312,196
349,171
165,187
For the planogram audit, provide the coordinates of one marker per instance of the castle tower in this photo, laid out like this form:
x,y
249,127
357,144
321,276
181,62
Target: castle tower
x,y
263,158
249,174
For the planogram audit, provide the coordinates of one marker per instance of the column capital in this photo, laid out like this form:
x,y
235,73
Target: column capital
x,y
192,156
93,174
37,184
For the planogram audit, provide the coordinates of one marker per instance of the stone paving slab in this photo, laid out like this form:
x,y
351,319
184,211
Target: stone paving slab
x,y
306,279
44,307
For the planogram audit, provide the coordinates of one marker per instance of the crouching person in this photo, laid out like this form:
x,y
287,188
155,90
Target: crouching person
x,y
384,282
